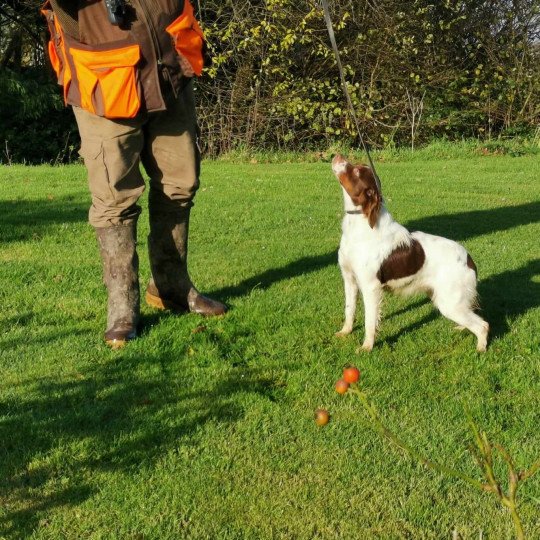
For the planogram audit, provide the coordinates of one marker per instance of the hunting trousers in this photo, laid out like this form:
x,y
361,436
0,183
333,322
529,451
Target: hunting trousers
x,y
166,145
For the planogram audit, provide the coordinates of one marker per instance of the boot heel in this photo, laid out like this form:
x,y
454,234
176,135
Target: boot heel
x,y
154,301
116,344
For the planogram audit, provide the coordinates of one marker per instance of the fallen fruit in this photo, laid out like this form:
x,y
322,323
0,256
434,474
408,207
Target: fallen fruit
x,y
322,417
342,386
351,374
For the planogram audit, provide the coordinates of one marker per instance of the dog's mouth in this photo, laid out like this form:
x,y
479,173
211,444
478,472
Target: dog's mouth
x,y
339,165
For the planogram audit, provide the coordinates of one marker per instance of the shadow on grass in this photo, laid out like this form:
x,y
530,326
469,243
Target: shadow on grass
x,y
26,220
459,227
416,325
465,225
46,338
508,295
25,520
113,417
266,279
514,290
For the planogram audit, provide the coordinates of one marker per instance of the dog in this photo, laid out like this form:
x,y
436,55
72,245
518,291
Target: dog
x,y
377,253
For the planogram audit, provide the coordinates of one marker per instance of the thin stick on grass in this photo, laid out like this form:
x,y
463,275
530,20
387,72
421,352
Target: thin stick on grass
x,y
483,454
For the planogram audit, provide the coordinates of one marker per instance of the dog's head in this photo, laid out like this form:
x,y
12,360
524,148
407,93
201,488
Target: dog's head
x,y
359,187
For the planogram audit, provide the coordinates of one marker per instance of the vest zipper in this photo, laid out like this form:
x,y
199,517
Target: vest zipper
x,y
163,67
160,66
152,32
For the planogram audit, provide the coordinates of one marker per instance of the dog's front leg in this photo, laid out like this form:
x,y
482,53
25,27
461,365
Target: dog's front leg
x,y
372,294
351,294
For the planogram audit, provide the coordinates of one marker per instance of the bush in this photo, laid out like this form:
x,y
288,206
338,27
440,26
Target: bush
x,y
416,71
35,126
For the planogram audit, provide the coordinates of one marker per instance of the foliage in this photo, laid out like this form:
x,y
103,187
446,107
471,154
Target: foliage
x,y
484,453
34,125
438,149
472,65
416,71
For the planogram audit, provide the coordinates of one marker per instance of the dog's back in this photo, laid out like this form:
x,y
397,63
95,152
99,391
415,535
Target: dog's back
x,y
447,267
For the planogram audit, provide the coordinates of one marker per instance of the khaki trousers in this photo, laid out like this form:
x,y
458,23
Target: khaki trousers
x,y
165,143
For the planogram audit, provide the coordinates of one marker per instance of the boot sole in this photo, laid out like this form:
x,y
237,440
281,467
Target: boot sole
x,y
116,344
120,342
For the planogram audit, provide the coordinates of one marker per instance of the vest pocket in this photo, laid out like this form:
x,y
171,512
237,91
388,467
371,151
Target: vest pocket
x,y
107,81
188,39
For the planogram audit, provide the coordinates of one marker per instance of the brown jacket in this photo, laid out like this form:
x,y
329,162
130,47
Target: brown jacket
x,y
116,71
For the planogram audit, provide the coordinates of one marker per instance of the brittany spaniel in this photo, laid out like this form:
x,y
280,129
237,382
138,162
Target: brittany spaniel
x,y
378,253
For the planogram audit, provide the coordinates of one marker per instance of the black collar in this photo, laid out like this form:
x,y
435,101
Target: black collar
x,y
353,211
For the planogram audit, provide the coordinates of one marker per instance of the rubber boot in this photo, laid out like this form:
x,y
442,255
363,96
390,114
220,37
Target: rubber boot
x,y
171,287
117,245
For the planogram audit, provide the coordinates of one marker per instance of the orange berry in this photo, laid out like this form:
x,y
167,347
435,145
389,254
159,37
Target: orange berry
x,y
322,417
342,386
351,374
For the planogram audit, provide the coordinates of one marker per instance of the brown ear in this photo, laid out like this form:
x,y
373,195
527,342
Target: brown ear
x,y
372,206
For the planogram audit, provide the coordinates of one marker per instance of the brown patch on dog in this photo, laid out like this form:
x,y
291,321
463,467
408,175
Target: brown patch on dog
x,y
471,265
360,184
404,261
372,205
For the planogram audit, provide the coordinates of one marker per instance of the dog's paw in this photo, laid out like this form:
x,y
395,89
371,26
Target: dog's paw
x,y
481,345
345,331
367,346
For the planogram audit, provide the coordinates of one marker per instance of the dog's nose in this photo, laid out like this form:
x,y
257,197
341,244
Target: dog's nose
x,y
338,158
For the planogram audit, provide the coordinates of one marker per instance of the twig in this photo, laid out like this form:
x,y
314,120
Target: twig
x,y
7,154
413,453
483,454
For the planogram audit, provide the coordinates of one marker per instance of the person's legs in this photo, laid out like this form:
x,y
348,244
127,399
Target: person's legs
x,y
171,159
111,151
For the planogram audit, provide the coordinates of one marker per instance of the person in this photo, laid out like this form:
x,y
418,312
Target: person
x,y
127,70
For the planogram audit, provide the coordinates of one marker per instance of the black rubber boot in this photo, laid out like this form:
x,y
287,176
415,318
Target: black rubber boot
x,y
117,247
170,286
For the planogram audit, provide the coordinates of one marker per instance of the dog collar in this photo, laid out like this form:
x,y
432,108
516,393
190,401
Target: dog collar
x,y
353,211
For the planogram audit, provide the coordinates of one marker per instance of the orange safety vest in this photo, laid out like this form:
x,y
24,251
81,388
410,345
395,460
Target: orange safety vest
x,y
109,79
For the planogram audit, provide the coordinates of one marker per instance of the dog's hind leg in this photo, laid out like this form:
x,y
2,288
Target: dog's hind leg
x,y
372,295
464,316
351,294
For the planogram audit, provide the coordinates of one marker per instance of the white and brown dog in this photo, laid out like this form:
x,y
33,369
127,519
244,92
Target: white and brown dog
x,y
376,252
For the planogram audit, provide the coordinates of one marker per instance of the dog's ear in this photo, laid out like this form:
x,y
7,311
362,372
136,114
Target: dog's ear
x,y
372,196
372,206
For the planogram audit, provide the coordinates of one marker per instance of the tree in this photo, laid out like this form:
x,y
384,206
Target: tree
x,y
472,65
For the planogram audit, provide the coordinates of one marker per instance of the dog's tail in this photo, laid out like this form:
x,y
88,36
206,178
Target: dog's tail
x,y
472,288
471,265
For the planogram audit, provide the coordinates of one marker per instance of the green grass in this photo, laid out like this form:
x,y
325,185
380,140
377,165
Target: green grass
x,y
438,149
204,428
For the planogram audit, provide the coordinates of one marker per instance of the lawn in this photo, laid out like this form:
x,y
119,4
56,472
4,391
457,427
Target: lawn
x,y
204,428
